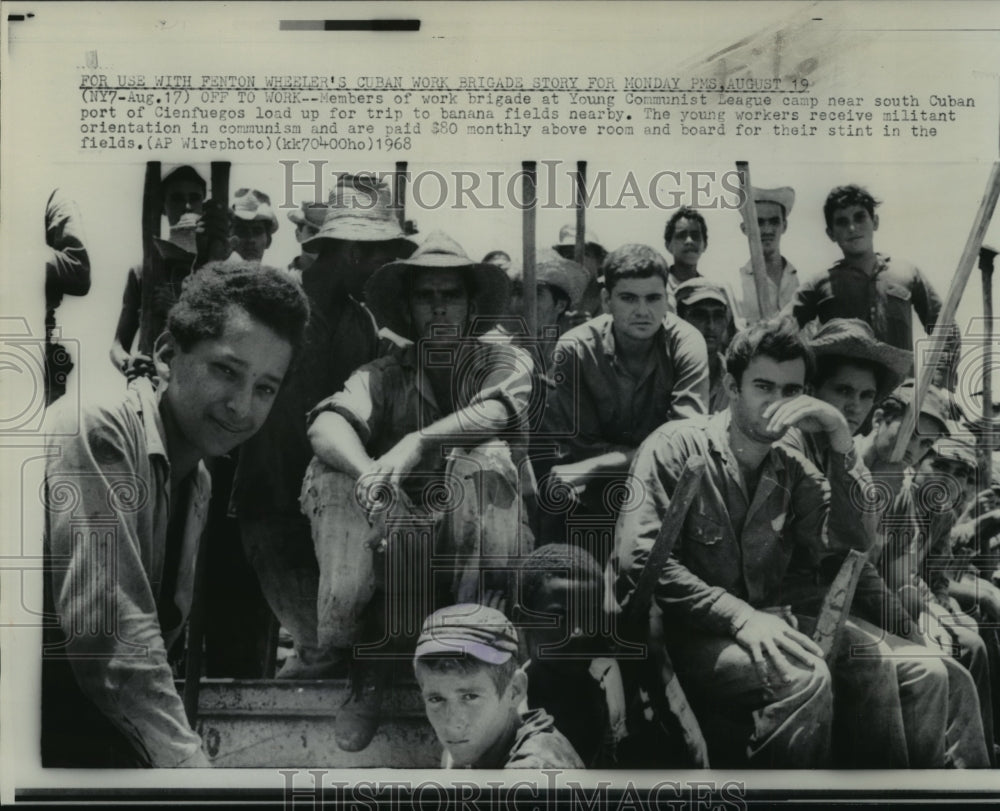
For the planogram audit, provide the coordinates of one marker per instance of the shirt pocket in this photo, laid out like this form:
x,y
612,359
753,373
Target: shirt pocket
x,y
705,531
897,303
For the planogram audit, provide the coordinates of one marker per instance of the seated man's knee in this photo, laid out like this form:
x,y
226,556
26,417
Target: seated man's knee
x,y
324,488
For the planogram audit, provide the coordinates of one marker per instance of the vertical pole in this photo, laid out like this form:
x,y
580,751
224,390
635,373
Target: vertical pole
x,y
151,271
399,193
986,257
749,211
580,248
529,176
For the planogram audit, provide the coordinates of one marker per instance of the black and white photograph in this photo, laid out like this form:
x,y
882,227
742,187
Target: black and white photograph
x,y
541,404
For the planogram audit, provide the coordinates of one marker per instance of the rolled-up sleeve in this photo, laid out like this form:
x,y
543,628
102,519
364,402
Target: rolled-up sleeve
x,y
507,378
358,402
67,269
99,552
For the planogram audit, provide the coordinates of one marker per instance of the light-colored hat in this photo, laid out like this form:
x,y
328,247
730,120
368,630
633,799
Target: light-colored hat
x,y
567,243
468,629
784,196
386,292
250,205
853,338
555,271
313,214
359,210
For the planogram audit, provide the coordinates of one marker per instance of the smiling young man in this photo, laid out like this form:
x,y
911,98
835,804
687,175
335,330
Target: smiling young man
x,y
620,376
126,498
736,650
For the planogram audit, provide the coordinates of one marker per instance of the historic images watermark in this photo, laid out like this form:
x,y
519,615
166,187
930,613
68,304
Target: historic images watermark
x,y
556,186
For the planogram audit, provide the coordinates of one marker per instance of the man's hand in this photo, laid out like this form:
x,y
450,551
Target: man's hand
x,y
812,416
388,471
139,365
935,633
769,638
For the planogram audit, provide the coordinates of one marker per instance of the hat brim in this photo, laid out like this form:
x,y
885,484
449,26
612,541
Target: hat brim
x,y
385,292
438,646
357,229
270,219
898,363
567,250
694,298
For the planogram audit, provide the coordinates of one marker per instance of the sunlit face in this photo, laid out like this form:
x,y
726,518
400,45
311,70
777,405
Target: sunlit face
x,y
765,381
221,390
438,298
772,223
250,238
687,243
638,306
711,319
181,197
851,390
927,433
468,714
853,229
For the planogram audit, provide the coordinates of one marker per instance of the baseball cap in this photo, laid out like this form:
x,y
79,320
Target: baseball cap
x,y
699,289
467,628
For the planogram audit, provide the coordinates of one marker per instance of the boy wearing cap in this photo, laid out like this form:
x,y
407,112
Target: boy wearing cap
x,y
434,428
705,306
758,507
199,231
359,233
865,284
126,498
466,665
253,223
620,376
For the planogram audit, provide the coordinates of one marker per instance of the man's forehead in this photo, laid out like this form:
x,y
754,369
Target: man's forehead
x,y
779,372
641,287
436,278
767,210
850,211
686,224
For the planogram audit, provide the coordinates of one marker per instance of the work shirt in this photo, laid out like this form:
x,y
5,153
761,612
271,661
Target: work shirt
x,y
718,397
852,493
885,299
537,744
390,397
67,266
746,308
108,556
341,336
735,547
597,406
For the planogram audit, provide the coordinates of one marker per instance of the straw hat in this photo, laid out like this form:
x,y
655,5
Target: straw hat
x,y
250,205
567,243
784,196
387,291
313,214
555,271
853,338
359,210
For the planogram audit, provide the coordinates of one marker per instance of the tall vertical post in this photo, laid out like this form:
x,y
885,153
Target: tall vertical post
x,y
399,193
529,177
580,248
986,257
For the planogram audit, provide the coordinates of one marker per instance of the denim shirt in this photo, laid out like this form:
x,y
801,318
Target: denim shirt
x,y
108,502
735,547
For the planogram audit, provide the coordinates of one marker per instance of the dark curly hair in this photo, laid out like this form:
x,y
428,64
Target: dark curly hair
x,y
632,261
844,196
778,338
268,295
688,213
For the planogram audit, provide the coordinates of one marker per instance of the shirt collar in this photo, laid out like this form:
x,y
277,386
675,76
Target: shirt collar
x,y
149,400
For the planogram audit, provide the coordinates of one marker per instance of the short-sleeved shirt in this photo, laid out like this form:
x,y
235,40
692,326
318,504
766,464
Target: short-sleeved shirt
x,y
341,336
111,550
885,299
597,406
746,308
389,398
735,547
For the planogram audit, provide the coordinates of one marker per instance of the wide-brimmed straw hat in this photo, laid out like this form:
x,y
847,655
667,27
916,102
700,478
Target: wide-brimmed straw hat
x,y
360,209
250,205
567,243
853,339
556,271
784,196
387,290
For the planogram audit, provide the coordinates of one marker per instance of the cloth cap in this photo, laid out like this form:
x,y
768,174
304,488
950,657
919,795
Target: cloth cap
x,y
934,404
854,338
359,209
784,196
556,271
473,630
250,205
387,290
313,214
567,243
699,289
956,447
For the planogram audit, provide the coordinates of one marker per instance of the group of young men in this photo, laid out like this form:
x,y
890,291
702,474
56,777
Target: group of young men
x,y
425,489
